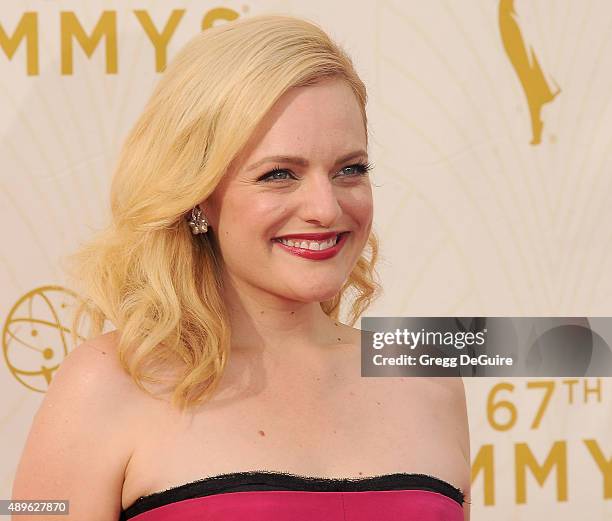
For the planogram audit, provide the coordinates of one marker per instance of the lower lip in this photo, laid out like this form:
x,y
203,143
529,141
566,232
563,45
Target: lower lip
x,y
315,254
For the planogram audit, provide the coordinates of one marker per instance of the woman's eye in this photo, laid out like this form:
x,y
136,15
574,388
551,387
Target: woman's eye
x,y
357,169
278,174
275,175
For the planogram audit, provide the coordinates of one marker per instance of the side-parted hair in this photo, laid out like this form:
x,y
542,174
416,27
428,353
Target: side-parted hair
x,y
159,285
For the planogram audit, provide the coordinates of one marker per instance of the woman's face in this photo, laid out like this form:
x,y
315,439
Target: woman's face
x,y
317,187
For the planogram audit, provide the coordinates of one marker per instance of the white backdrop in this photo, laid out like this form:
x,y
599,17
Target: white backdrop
x,y
474,220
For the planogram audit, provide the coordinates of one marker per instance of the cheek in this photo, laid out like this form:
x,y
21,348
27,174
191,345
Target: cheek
x,y
359,205
251,217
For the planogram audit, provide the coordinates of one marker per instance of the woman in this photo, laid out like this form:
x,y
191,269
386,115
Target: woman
x,y
229,389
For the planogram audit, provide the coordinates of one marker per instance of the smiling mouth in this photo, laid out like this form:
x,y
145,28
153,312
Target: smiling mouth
x,y
310,244
311,249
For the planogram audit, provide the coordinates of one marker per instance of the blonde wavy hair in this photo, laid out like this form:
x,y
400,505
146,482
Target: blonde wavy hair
x,y
146,273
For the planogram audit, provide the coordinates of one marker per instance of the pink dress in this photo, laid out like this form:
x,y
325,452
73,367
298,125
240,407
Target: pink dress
x,y
280,496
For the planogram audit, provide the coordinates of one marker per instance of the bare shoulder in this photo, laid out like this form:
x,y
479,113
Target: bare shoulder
x,y
447,402
98,358
451,400
91,378
73,446
451,387
92,374
441,402
448,395
103,351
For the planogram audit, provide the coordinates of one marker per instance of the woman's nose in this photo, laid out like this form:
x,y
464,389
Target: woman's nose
x,y
320,202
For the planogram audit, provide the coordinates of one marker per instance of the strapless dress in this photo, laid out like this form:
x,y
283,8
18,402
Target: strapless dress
x,y
281,496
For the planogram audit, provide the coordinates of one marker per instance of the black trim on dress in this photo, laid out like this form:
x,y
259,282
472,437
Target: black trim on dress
x,y
276,480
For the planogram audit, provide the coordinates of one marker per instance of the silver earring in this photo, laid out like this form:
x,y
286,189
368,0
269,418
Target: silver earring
x,y
197,221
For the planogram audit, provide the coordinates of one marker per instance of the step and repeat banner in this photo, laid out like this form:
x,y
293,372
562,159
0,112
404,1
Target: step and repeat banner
x,y
491,132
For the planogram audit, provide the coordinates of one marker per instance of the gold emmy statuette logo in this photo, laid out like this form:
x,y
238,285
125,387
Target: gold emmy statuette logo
x,y
527,68
35,336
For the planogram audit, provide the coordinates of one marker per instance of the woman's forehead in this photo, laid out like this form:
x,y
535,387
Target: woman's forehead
x,y
319,123
309,125
327,105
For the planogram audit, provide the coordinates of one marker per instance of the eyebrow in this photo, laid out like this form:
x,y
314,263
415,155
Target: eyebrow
x,y
301,161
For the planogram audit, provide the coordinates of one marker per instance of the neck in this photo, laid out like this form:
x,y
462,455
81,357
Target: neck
x,y
260,319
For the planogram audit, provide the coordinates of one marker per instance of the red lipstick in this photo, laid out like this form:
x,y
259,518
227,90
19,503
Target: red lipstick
x,y
314,254
311,236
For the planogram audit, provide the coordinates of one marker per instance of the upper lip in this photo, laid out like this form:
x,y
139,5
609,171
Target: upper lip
x,y
313,236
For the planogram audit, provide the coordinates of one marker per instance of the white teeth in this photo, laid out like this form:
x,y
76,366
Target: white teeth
x,y
311,245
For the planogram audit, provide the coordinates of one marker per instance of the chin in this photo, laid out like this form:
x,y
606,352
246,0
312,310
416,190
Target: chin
x,y
319,294
310,287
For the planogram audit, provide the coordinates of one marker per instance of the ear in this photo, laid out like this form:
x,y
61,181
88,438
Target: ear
x,y
205,206
208,211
